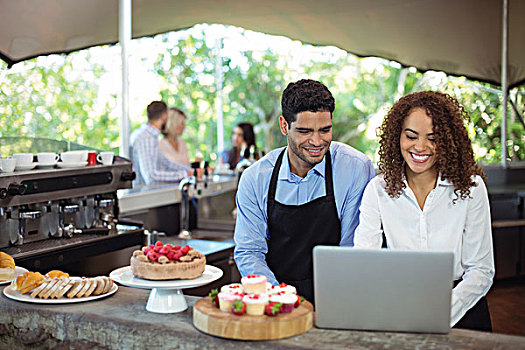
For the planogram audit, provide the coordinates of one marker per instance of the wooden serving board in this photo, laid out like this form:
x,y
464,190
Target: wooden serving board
x,y
209,319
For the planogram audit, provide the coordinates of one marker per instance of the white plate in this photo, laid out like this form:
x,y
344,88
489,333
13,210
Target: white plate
x,y
124,276
18,271
26,166
71,165
47,165
11,293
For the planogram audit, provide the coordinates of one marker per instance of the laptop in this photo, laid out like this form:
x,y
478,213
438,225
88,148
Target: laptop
x,y
382,289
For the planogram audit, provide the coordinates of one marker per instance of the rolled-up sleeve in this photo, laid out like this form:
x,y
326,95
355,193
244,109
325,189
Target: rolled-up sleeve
x,y
251,230
477,256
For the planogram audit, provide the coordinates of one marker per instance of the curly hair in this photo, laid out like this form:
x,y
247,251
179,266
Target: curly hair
x,y
454,155
306,95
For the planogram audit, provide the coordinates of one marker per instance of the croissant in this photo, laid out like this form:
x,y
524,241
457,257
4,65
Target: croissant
x,y
29,281
7,267
57,274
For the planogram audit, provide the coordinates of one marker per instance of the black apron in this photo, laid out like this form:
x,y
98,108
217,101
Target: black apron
x,y
296,229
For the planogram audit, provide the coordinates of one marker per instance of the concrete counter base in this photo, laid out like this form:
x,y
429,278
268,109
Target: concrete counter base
x,y
121,322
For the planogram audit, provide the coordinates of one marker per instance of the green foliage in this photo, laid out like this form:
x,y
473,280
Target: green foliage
x,y
54,101
53,98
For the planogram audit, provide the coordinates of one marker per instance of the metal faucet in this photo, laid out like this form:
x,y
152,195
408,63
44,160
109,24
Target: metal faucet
x,y
184,187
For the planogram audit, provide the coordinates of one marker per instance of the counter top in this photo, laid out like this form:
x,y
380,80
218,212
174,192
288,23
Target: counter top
x,y
161,194
121,322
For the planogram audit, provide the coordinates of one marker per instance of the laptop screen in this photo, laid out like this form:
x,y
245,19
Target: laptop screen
x,y
387,290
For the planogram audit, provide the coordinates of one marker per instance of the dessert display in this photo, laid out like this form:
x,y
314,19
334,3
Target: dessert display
x,y
167,262
235,297
254,284
57,284
7,267
237,313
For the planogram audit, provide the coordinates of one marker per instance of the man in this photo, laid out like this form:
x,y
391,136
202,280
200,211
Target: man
x,y
299,196
148,163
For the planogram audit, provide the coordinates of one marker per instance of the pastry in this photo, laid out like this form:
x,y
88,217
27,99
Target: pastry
x,y
287,301
232,288
29,281
284,288
226,300
254,284
166,262
7,267
255,303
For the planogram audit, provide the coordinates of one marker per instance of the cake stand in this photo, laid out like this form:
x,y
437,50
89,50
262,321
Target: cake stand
x,y
165,296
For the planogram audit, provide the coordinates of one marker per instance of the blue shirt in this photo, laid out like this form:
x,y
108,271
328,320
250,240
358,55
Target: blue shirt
x,y
149,164
351,171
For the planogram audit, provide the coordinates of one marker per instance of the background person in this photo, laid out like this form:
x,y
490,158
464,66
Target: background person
x,y
172,145
148,163
243,138
299,196
430,195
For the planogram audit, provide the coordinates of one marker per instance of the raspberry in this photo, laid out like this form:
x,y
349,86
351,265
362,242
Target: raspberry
x,y
164,250
159,243
177,247
152,256
185,250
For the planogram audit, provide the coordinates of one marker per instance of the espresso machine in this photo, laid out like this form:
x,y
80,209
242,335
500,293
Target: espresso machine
x,y
51,217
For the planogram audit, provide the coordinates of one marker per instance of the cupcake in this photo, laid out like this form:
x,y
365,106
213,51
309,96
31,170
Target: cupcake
x,y
287,301
233,288
226,300
255,303
254,284
284,288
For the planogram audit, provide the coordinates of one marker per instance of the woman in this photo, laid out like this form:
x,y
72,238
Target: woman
x,y
243,142
172,145
430,195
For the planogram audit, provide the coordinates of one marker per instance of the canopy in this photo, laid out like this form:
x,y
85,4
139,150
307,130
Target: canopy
x,y
459,37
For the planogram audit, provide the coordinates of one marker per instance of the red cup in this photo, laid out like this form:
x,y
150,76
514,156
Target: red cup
x,y
92,158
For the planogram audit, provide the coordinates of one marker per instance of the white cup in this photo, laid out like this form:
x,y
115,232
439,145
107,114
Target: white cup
x,y
71,157
83,155
47,157
23,158
8,164
105,158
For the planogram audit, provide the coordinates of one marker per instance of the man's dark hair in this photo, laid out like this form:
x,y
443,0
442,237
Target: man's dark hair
x,y
156,109
306,95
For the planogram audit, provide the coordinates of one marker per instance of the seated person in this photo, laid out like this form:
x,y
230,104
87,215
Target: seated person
x,y
148,163
430,195
172,145
243,140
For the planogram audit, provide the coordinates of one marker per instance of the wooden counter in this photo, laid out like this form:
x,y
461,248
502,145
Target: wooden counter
x,y
121,322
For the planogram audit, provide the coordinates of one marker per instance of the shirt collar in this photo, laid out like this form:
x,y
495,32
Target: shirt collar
x,y
286,174
152,130
439,182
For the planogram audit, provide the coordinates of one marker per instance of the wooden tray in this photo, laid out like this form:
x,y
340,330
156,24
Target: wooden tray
x,y
209,319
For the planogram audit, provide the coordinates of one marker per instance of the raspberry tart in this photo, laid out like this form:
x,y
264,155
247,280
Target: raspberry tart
x,y
167,262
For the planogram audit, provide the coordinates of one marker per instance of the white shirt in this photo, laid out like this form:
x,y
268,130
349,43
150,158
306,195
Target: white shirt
x,y
463,228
